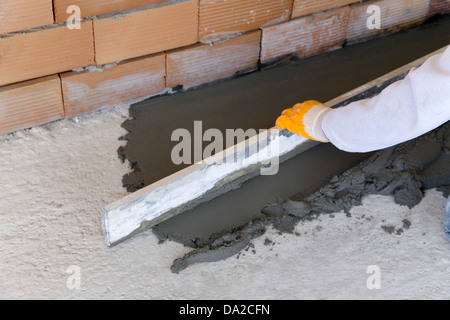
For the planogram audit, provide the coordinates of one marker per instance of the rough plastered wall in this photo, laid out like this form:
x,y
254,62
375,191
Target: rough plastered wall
x,y
127,50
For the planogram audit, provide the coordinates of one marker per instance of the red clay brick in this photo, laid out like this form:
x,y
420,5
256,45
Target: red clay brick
x,y
41,53
17,15
205,63
305,36
395,15
439,7
306,7
219,18
161,27
135,79
92,8
31,103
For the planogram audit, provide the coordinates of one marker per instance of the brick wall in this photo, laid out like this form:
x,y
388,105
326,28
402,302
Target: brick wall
x,y
439,7
128,50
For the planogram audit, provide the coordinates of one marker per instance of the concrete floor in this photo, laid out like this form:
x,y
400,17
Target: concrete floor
x,y
54,180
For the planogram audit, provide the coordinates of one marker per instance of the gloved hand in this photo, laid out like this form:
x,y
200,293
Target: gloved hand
x,y
305,119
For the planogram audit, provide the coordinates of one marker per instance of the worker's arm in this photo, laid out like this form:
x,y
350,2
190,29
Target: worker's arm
x,y
401,112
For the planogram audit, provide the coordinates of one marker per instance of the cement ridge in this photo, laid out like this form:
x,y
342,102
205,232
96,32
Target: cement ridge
x,y
398,171
403,171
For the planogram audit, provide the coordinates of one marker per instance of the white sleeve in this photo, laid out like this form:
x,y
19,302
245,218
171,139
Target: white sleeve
x,y
403,111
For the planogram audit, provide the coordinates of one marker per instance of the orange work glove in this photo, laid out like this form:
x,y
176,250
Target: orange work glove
x,y
305,119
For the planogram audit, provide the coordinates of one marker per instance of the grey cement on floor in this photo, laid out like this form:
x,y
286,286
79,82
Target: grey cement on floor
x,y
255,101
403,172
